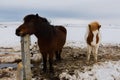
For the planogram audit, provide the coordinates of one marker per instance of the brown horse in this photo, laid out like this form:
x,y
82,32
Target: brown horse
x,y
51,39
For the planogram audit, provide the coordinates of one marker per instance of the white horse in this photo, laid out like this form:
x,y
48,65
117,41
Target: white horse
x,y
93,39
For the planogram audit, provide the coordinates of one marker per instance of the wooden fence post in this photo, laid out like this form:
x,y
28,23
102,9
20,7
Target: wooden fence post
x,y
25,48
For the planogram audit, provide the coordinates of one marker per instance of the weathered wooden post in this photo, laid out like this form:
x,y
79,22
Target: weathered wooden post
x,y
25,48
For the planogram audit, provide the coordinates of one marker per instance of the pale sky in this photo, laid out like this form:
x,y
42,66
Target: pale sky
x,y
15,10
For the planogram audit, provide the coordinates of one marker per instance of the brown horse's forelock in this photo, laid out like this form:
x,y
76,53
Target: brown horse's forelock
x,y
29,17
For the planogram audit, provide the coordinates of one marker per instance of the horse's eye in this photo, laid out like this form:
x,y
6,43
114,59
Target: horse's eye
x,y
31,23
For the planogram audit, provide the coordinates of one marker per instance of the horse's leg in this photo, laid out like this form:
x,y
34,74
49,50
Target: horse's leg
x,y
95,52
58,55
51,62
89,50
44,61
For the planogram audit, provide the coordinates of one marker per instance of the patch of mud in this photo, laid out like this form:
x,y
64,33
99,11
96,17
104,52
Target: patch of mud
x,y
7,74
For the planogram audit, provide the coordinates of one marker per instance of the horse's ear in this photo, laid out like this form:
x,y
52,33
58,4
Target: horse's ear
x,y
89,26
99,26
37,15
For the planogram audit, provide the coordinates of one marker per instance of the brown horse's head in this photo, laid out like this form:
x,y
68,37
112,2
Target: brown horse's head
x,y
29,25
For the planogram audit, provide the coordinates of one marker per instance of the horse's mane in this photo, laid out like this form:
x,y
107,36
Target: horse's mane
x,y
36,17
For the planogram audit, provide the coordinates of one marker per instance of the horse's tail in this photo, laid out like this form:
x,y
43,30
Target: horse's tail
x,y
62,28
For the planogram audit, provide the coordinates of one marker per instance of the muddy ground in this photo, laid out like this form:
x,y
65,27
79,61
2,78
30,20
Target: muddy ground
x,y
72,59
75,58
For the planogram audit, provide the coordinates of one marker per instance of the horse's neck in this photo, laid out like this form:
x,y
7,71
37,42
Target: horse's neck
x,y
95,33
45,31
95,37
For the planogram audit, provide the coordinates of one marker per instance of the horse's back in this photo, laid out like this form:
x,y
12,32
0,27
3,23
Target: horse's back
x,y
60,37
62,28
61,32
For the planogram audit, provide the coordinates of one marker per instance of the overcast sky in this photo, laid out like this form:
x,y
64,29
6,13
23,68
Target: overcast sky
x,y
15,10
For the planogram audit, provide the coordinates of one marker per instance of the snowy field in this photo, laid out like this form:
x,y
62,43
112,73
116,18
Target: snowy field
x,y
105,70
75,33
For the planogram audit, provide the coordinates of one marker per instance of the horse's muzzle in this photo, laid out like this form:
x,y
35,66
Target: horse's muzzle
x,y
18,32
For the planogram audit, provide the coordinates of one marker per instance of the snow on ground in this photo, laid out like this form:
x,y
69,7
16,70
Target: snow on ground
x,y
75,33
100,71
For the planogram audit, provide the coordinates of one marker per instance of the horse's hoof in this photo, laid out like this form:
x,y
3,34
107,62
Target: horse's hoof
x,y
51,71
58,60
51,75
87,62
95,61
44,70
